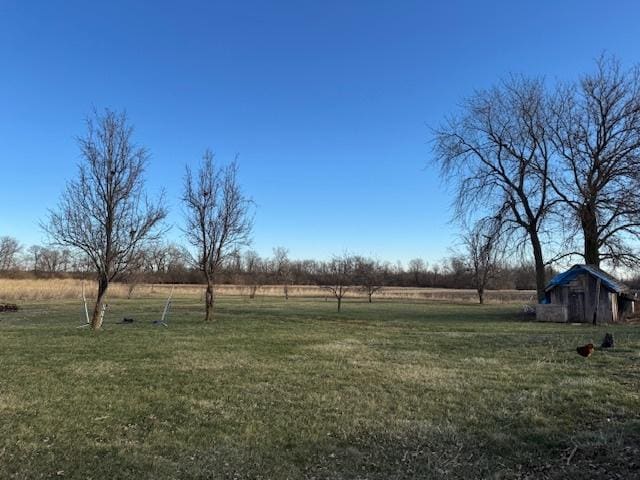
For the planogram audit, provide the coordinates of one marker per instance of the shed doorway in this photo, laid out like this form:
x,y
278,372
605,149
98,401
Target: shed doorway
x,y
576,307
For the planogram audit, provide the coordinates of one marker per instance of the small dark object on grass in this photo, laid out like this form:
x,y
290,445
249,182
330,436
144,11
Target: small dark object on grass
x,y
8,307
127,320
608,341
586,350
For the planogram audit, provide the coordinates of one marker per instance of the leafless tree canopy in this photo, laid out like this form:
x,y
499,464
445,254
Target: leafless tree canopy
x,y
484,252
368,273
338,276
9,250
218,220
104,212
50,260
257,269
282,268
558,165
164,257
418,267
497,153
595,129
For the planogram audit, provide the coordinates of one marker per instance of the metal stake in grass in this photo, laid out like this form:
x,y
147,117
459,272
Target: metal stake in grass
x,y
166,310
86,310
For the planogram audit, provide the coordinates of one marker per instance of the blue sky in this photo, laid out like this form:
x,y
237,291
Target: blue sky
x,y
328,104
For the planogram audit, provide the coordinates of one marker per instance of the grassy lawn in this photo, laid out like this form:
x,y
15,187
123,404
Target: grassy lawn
x,y
280,390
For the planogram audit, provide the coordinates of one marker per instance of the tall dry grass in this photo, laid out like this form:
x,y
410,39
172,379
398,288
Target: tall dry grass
x,y
59,289
16,290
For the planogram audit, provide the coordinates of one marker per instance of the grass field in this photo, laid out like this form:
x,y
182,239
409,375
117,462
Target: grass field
x,y
278,390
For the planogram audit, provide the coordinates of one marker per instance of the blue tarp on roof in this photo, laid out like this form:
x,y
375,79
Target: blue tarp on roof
x,y
607,280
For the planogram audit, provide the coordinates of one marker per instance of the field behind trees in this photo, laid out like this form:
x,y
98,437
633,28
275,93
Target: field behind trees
x,y
279,389
59,289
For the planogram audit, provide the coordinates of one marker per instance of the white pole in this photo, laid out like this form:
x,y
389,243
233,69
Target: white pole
x,y
84,300
166,306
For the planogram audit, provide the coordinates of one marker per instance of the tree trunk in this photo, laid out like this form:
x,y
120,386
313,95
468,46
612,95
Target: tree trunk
x,y
589,221
98,313
539,265
208,301
370,294
286,291
339,302
481,295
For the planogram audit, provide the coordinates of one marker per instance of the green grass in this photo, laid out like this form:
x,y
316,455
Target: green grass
x,y
294,390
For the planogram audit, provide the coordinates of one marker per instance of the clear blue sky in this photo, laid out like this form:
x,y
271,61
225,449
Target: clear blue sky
x,y
327,103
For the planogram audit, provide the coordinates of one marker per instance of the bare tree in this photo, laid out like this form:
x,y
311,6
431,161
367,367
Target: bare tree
x,y
218,220
282,269
155,257
417,268
104,212
456,272
596,133
369,275
255,270
9,250
484,252
337,277
497,153
35,252
134,274
158,261
49,260
163,257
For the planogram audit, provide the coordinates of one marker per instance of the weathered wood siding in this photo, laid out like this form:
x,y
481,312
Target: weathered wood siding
x,y
579,296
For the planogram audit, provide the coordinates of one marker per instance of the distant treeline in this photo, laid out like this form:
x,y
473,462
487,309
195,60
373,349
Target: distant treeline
x,y
172,263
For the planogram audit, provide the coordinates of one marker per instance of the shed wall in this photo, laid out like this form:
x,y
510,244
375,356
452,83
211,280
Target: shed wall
x,y
579,298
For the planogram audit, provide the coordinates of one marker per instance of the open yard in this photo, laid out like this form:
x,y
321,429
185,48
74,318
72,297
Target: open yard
x,y
278,390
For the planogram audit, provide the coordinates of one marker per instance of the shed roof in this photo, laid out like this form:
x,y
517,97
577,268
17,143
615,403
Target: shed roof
x,y
608,281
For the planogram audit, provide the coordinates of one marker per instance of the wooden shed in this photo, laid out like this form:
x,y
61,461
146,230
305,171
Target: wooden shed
x,y
586,294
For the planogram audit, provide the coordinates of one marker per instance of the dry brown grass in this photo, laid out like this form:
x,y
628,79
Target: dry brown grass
x,y
50,289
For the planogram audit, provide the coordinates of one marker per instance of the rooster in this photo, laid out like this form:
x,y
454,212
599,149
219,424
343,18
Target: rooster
x,y
585,350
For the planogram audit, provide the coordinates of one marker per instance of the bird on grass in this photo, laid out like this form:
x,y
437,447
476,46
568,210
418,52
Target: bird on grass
x,y
586,350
